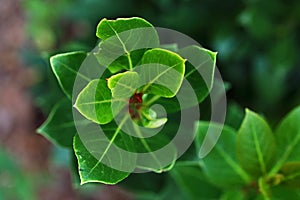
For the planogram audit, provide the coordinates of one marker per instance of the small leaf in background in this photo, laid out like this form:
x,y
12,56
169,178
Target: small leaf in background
x,y
162,71
124,41
123,85
288,137
59,127
191,180
255,144
92,169
220,165
65,67
291,174
94,102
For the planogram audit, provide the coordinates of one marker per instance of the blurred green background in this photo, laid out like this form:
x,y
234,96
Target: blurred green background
x,y
258,54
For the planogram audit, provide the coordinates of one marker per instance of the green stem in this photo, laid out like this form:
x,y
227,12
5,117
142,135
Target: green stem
x,y
264,189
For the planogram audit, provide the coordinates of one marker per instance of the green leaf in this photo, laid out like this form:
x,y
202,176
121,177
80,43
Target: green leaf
x,y
291,174
288,139
59,127
94,102
124,41
162,72
123,85
192,182
65,67
220,165
255,144
92,169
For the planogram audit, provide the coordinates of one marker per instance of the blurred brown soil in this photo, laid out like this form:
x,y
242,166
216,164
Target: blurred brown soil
x,y
19,117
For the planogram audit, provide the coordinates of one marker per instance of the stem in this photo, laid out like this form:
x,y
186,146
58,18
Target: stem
x,y
264,189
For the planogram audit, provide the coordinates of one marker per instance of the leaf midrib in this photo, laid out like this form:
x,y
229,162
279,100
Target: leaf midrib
x,y
258,150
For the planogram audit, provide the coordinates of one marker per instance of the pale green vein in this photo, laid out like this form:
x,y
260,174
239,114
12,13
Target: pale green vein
x,y
258,150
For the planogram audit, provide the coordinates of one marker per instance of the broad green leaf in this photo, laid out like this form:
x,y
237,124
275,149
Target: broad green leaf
x,y
291,174
65,67
92,169
94,102
255,144
162,72
59,127
220,165
192,182
288,139
123,85
124,42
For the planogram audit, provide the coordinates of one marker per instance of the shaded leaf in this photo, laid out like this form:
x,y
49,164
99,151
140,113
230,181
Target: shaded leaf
x,y
191,181
92,169
199,73
200,69
220,165
291,174
255,144
59,127
65,67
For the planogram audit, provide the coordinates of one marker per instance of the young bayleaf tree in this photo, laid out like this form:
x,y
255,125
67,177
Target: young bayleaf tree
x,y
110,117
